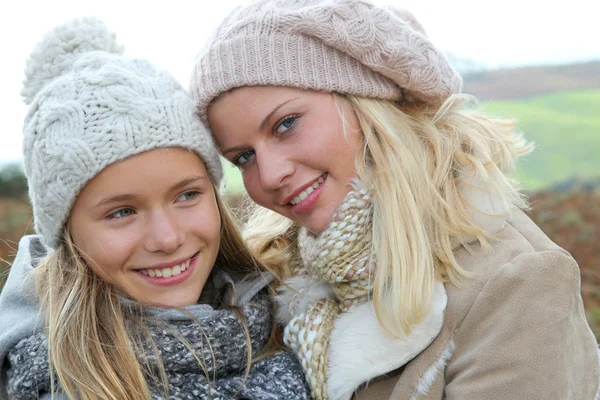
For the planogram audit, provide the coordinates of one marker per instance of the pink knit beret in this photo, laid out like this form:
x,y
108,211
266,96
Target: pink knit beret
x,y
347,46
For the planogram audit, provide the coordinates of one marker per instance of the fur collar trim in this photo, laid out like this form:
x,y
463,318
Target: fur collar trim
x,y
351,365
432,372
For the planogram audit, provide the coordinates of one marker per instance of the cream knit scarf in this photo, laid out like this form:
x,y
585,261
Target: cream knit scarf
x,y
342,257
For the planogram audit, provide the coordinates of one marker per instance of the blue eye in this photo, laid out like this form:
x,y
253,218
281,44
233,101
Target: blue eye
x,y
243,158
189,195
122,213
285,124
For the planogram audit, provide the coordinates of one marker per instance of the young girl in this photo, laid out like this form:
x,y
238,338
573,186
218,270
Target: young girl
x,y
146,290
417,275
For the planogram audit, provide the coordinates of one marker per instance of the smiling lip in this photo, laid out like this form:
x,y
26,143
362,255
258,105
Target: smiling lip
x,y
173,280
170,264
311,199
301,189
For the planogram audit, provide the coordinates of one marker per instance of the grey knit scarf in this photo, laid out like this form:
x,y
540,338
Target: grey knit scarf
x,y
218,339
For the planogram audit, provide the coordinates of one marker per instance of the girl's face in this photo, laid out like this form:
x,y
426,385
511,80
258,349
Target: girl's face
x,y
150,225
290,147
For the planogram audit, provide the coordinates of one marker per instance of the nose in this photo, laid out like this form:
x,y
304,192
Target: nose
x,y
165,233
274,168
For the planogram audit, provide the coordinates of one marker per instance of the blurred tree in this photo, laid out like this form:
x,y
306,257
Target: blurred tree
x,y
13,183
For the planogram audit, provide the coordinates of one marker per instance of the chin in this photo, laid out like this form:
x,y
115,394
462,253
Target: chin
x,y
317,227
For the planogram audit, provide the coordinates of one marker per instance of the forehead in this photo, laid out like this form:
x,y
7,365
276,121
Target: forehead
x,y
251,103
146,170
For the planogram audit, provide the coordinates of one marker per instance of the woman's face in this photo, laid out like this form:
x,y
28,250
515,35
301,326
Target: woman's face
x,y
290,147
150,226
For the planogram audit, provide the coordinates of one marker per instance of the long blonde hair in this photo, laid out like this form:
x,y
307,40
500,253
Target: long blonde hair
x,y
416,158
92,349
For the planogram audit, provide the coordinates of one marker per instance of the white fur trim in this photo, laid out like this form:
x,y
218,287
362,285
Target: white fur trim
x,y
360,349
432,372
296,295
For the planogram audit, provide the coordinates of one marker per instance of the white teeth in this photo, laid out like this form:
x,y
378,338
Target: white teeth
x,y
304,194
167,272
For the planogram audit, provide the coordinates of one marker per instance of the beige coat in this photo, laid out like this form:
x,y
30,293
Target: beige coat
x,y
516,330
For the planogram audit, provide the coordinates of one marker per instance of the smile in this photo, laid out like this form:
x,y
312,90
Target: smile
x,y
169,275
304,194
167,272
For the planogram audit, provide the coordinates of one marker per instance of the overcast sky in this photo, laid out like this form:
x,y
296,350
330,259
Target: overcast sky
x,y
170,33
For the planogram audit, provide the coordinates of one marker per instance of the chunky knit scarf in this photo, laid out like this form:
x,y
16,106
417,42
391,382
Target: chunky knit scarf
x,y
340,256
219,341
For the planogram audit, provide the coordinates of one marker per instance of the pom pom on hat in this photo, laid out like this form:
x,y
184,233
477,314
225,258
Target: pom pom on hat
x,y
56,53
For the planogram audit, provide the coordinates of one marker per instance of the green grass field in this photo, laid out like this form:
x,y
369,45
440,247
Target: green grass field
x,y
233,179
564,126
566,130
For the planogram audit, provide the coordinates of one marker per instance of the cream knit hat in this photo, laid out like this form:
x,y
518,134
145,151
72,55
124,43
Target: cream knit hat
x,y
91,107
347,46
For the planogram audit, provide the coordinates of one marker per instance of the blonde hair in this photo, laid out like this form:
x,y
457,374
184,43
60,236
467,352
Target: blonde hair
x,y
93,340
421,157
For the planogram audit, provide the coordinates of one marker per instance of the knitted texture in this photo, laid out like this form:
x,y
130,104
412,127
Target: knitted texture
x,y
349,46
307,334
341,256
217,338
91,107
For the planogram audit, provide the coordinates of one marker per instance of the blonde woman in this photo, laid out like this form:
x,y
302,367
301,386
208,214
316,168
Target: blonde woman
x,y
415,272
145,288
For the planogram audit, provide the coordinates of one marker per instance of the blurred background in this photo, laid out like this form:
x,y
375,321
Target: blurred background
x,y
532,61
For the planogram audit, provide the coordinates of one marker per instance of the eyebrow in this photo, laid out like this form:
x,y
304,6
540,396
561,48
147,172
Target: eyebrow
x,y
124,197
261,127
265,121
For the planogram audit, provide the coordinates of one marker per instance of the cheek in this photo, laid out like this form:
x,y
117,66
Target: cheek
x,y
252,185
204,221
107,250
344,157
213,227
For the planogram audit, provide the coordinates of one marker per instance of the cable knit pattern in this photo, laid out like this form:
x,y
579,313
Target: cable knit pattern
x,y
347,46
217,338
91,107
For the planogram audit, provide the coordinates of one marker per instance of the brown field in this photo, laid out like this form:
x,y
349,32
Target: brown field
x,y
519,83
15,221
572,220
